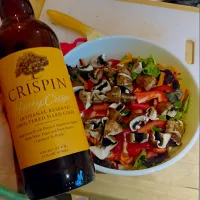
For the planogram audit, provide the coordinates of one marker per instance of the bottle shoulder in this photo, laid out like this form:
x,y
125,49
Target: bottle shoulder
x,y
24,34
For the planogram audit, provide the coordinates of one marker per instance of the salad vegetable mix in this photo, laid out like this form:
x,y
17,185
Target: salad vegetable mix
x,y
131,108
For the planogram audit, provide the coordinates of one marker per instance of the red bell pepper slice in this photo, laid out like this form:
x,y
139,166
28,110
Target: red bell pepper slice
x,y
125,120
90,85
126,131
138,89
143,97
155,103
159,151
119,147
80,104
125,159
90,113
162,88
111,156
100,107
151,154
114,62
148,127
140,106
134,149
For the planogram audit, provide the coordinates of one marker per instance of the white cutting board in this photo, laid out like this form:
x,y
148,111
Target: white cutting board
x,y
167,27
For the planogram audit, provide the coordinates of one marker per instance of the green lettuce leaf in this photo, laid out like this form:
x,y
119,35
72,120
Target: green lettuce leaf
x,y
178,116
148,60
138,163
178,104
163,117
134,75
186,104
156,129
151,69
125,112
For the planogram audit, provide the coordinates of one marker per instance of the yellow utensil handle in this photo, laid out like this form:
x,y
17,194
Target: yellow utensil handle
x,y
67,21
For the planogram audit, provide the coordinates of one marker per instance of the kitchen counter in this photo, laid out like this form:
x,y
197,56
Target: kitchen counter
x,y
167,27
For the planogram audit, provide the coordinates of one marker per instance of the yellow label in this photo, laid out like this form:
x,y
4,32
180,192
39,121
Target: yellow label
x,y
41,106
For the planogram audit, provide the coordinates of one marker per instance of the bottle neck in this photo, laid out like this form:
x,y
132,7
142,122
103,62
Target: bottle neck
x,y
15,8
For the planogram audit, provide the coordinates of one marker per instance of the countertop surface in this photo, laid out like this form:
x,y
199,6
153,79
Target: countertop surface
x,y
167,27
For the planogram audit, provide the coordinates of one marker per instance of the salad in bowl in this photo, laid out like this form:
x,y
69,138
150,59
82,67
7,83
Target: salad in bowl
x,y
131,108
139,113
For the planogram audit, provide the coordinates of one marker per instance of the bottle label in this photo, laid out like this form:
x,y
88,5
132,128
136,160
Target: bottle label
x,y
41,106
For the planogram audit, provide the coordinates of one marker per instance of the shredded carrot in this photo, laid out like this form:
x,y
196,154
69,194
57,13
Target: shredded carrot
x,y
161,79
83,81
127,59
161,67
82,62
94,141
125,159
185,95
174,70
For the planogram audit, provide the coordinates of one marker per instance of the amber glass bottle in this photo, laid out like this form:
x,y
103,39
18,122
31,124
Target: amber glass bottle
x,y
45,123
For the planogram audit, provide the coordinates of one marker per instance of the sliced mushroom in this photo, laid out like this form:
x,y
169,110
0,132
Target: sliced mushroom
x,y
177,129
98,61
163,108
123,69
139,137
127,98
77,88
125,80
98,97
137,68
117,106
112,128
146,81
166,108
101,152
110,71
176,139
160,140
151,113
112,81
103,87
95,75
114,95
87,69
83,71
114,111
127,91
94,127
114,114
95,134
135,115
172,112
86,98
110,140
136,123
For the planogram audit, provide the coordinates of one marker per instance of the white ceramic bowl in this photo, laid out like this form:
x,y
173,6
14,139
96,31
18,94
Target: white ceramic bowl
x,y
117,47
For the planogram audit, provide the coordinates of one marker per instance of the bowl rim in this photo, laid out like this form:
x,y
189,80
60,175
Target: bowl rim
x,y
161,166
